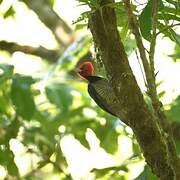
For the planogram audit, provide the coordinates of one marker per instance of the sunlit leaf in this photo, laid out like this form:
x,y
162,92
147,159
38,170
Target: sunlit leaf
x,y
7,72
169,17
80,26
60,95
5,103
136,148
51,2
161,94
174,112
9,12
22,97
121,15
176,55
101,172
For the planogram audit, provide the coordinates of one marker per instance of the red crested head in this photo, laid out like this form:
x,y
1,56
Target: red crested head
x,y
86,69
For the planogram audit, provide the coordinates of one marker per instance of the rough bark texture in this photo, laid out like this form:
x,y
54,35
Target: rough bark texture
x,y
102,23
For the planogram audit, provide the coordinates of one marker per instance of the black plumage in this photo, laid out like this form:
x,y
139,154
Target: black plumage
x,y
102,93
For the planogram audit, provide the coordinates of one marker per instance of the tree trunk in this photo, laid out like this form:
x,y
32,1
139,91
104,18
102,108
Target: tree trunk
x,y
149,134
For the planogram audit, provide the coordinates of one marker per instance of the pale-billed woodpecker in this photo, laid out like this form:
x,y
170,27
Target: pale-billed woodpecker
x,y
99,88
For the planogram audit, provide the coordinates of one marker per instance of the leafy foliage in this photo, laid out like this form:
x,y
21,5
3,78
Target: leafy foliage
x,y
22,97
166,14
40,121
39,124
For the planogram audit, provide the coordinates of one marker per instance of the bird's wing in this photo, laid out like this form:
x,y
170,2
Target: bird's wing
x,y
103,94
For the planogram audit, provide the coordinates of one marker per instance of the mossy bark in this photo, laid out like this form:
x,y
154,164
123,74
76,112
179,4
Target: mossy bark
x,y
103,26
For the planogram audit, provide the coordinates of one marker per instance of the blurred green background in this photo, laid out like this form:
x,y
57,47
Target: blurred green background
x,y
49,126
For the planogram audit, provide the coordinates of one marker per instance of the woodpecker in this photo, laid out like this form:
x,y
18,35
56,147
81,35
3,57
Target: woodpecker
x,y
99,89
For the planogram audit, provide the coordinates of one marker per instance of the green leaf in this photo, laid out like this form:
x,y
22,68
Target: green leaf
x,y
145,21
82,18
80,135
11,166
51,2
174,112
169,32
22,97
171,10
168,17
6,72
80,26
60,95
112,136
173,2
178,146
136,148
176,55
147,174
9,12
161,94
121,15
106,134
102,172
93,4
7,160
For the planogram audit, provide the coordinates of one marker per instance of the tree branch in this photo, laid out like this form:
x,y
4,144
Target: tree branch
x,y
153,37
149,77
52,20
50,55
131,105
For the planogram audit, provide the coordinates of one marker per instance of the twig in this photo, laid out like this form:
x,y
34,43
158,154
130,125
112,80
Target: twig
x,y
141,68
149,72
153,37
136,32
